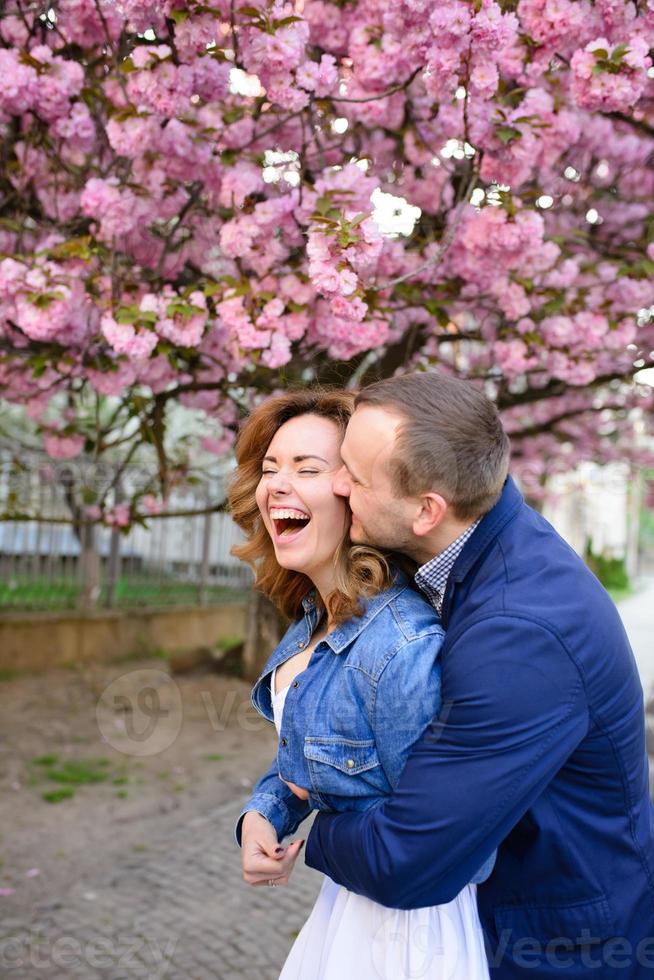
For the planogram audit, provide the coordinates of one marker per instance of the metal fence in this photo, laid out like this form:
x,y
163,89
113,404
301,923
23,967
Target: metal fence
x,y
56,561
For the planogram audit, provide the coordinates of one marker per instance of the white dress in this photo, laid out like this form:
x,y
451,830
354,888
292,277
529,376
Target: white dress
x,y
347,935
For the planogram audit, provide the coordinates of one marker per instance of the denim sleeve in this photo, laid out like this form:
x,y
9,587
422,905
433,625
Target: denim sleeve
x,y
407,698
273,799
508,723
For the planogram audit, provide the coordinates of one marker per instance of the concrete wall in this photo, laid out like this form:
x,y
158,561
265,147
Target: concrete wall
x,y
36,641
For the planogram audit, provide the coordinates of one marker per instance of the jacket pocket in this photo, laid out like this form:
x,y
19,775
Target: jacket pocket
x,y
345,767
577,923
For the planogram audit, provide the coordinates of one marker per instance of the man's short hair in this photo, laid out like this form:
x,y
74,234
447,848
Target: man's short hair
x,y
450,441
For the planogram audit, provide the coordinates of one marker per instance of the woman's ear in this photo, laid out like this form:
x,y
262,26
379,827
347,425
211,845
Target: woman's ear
x,y
431,511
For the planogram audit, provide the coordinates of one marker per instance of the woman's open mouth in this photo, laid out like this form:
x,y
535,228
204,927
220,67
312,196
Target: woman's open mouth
x,y
288,522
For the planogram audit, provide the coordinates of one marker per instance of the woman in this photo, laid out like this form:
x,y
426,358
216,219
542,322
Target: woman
x,y
350,688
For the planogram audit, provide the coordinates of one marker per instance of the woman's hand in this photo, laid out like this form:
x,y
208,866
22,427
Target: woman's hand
x,y
263,860
302,794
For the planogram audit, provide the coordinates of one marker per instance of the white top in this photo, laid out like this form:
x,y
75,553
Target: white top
x,y
278,701
348,935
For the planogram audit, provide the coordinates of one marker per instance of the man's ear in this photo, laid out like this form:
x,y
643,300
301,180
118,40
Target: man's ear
x,y
431,511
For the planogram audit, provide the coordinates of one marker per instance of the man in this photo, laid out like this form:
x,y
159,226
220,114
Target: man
x,y
539,749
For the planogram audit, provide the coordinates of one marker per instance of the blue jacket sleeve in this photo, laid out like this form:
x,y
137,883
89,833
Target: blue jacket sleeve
x,y
513,710
273,799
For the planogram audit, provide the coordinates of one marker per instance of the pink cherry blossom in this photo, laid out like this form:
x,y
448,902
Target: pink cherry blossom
x,y
63,446
192,206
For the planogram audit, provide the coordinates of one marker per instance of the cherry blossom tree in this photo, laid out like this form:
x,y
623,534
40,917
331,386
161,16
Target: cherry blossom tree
x,y
201,203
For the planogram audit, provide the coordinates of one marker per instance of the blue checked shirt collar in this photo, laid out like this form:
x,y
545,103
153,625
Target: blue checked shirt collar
x,y
432,577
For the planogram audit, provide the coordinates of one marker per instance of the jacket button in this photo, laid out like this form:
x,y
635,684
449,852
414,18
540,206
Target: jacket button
x,y
301,645
296,683
350,763
283,742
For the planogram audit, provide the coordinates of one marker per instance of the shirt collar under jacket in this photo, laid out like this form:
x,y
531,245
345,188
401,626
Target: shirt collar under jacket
x,y
433,575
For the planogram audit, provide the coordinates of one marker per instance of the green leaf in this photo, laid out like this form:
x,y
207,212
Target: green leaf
x,y
507,134
619,52
179,308
73,248
323,205
179,16
345,238
233,115
10,224
127,66
43,300
434,307
600,53
323,220
203,8
228,157
27,59
127,314
285,22
553,306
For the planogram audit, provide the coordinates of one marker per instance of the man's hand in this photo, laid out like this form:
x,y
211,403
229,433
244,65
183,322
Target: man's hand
x,y
263,860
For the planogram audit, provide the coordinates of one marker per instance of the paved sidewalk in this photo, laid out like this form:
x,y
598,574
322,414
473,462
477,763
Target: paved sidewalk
x,y
180,913
638,617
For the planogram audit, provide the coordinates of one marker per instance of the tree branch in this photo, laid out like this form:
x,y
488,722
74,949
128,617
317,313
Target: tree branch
x,y
383,95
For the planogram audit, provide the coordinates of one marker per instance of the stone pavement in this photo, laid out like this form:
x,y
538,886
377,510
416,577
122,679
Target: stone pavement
x,y
181,912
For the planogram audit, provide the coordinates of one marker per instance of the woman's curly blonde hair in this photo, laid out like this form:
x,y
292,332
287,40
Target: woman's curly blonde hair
x,y
361,571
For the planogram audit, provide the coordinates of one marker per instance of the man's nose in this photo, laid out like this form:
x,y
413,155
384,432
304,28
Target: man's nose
x,y
341,483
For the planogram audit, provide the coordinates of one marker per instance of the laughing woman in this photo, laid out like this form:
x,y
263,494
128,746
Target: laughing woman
x,y
352,685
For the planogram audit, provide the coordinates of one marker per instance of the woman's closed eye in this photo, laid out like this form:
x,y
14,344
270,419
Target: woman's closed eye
x,y
303,472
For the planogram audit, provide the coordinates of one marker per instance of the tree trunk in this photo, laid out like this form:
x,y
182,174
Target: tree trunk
x,y
265,628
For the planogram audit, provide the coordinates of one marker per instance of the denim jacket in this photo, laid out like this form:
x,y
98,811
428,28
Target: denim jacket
x,y
371,688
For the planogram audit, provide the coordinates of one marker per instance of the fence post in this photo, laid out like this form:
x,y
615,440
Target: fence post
x,y
89,568
206,554
113,567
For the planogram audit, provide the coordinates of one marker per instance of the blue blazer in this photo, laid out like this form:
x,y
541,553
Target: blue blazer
x,y
539,750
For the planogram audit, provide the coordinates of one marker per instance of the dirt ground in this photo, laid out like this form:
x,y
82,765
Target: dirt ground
x,y
161,748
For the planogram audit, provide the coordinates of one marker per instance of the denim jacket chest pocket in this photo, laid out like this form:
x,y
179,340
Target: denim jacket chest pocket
x,y
348,768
